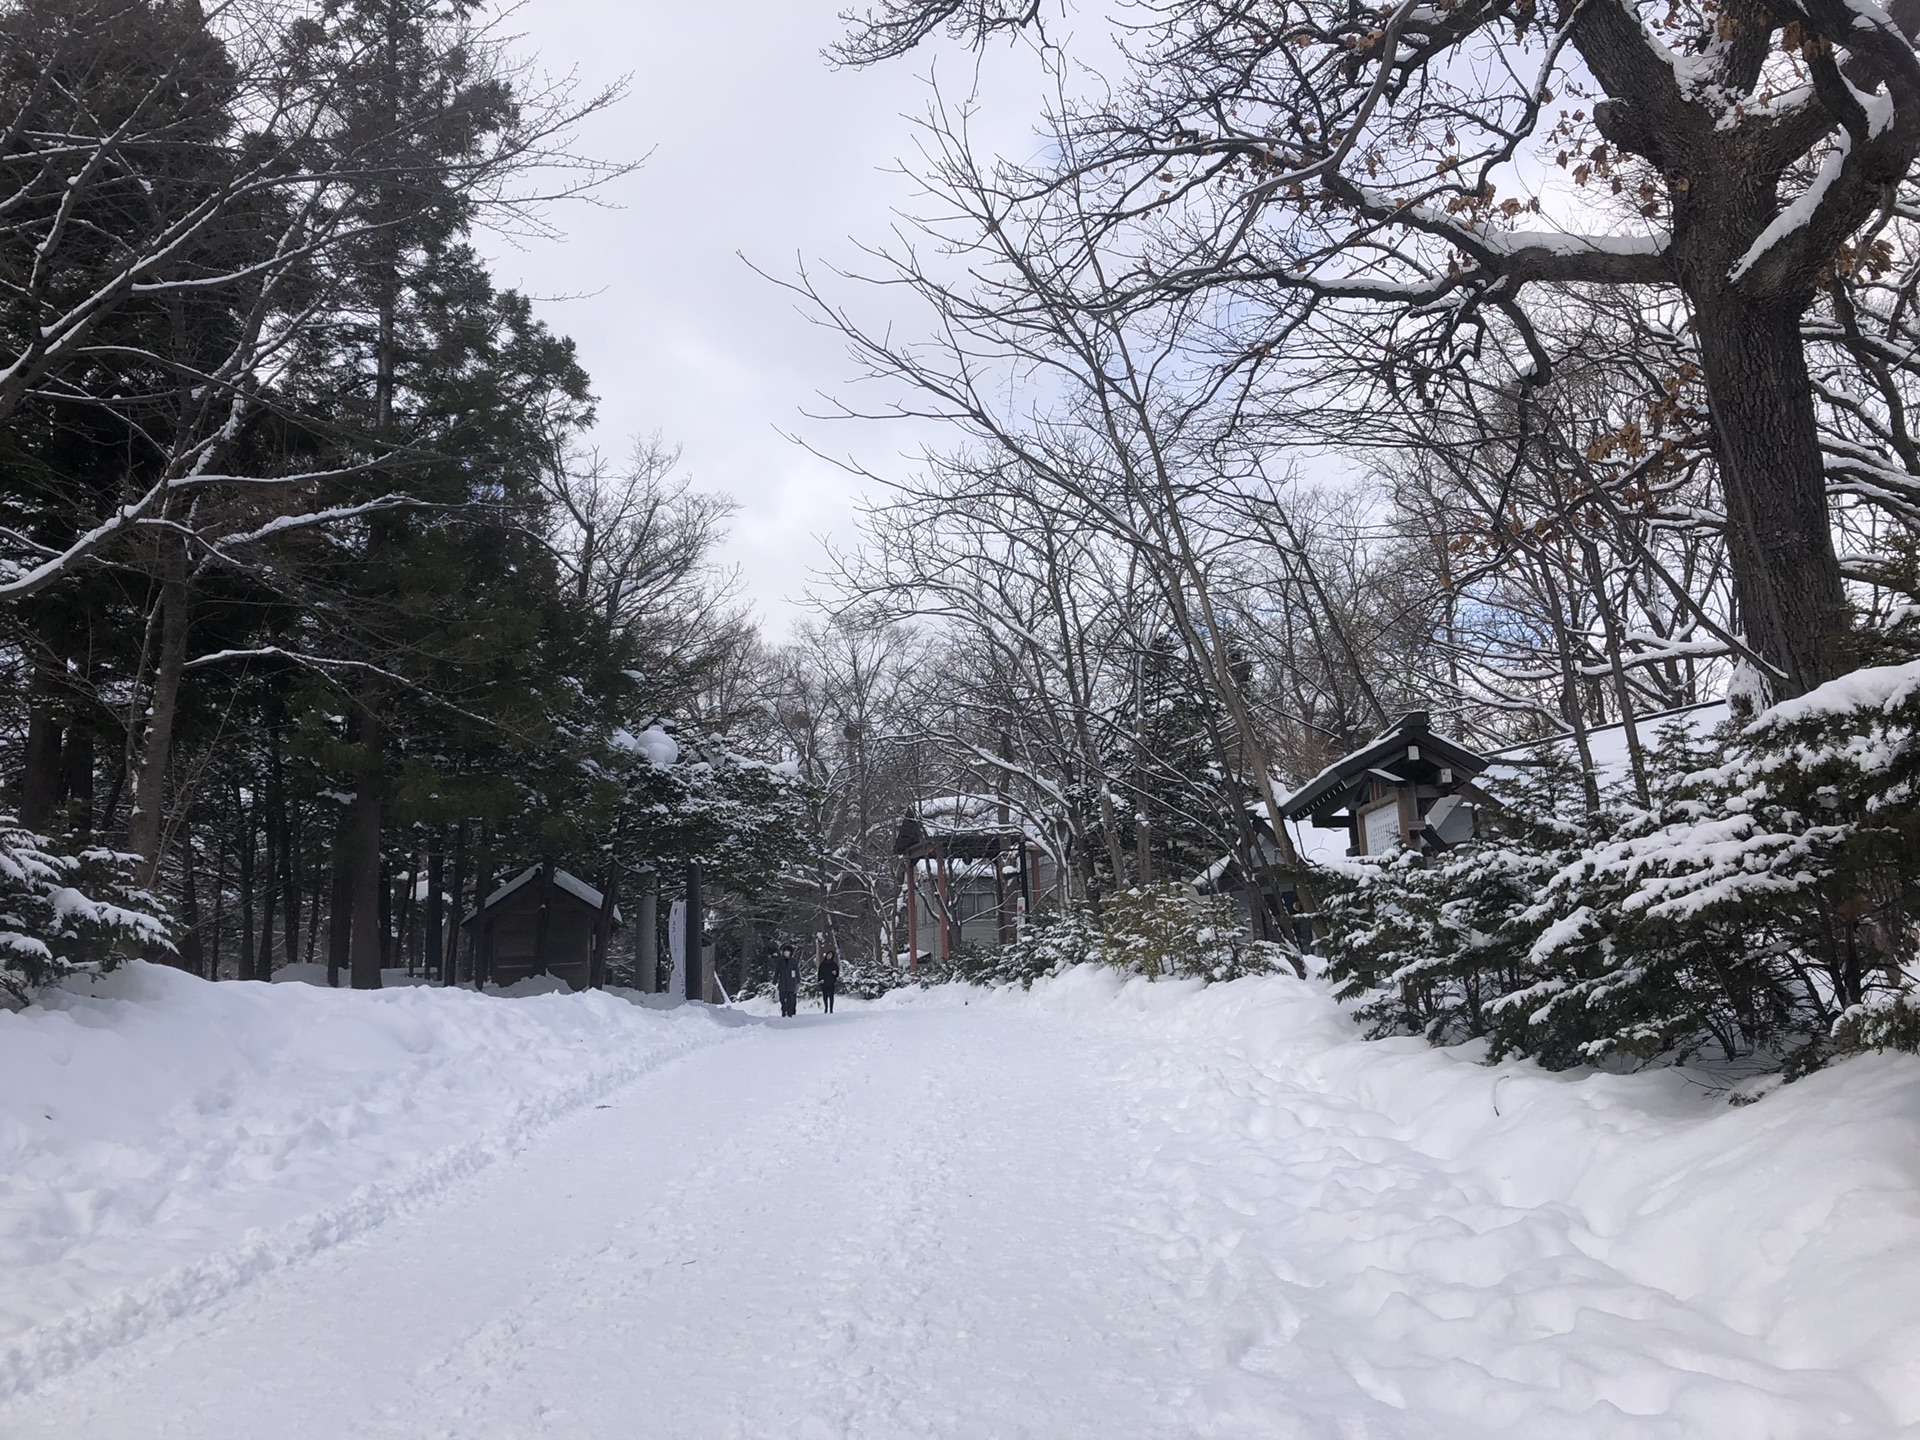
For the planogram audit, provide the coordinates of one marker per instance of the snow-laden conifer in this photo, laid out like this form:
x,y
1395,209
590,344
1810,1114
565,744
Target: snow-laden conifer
x,y
60,912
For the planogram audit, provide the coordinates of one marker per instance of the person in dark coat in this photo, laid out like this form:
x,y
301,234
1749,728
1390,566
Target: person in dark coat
x,y
786,977
829,978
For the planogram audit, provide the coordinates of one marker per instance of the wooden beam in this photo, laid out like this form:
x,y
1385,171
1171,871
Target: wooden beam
x,y
913,915
546,915
946,910
603,929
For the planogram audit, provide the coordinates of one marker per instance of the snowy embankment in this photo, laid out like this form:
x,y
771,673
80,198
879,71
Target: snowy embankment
x,y
1100,1208
164,1140
1522,1252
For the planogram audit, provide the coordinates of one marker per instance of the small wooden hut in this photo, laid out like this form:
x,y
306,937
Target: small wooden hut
x,y
543,922
1407,788
982,874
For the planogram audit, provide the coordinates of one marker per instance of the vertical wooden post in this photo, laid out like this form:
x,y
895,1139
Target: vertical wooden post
x,y
1002,915
389,882
913,913
409,903
365,940
340,903
695,951
190,948
1142,826
249,828
603,929
220,907
945,892
1003,815
546,919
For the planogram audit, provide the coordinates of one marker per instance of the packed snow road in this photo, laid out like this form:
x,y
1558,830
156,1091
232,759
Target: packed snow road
x,y
1095,1211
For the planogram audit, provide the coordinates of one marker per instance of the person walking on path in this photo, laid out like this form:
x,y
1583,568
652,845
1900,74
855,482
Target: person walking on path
x,y
829,978
786,975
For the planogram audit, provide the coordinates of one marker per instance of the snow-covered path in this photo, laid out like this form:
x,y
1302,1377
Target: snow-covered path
x,y
1018,1218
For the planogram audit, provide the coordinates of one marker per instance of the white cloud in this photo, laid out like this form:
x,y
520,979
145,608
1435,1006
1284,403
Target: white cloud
x,y
758,147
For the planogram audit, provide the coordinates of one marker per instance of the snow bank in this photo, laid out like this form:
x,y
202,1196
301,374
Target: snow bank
x,y
164,1140
1332,1237
1526,1253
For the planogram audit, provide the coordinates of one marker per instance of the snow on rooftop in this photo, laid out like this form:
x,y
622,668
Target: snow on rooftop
x,y
961,813
956,810
564,880
1608,743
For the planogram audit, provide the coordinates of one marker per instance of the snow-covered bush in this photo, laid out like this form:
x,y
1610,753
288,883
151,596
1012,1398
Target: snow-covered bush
x,y
1168,930
1765,904
1431,946
1155,932
1052,941
1600,979
1772,901
867,982
60,912
1887,1020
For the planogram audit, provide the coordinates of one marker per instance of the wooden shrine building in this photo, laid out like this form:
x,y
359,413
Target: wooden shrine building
x,y
971,873
1408,788
542,922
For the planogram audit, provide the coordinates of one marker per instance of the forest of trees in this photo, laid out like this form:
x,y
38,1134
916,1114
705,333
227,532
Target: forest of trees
x,y
1549,368
319,614
1542,367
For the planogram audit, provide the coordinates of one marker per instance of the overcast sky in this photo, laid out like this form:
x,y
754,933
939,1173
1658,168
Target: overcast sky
x,y
756,147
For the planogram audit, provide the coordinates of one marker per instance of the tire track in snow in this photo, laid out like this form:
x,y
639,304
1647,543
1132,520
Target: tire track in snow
x,y
896,1236
851,1163
51,1351
463,1389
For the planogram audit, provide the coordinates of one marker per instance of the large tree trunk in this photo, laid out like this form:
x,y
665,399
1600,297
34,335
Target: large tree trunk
x,y
1786,576
149,805
286,827
40,773
603,926
248,828
478,950
76,780
340,901
192,952
646,941
363,863
434,941
450,948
